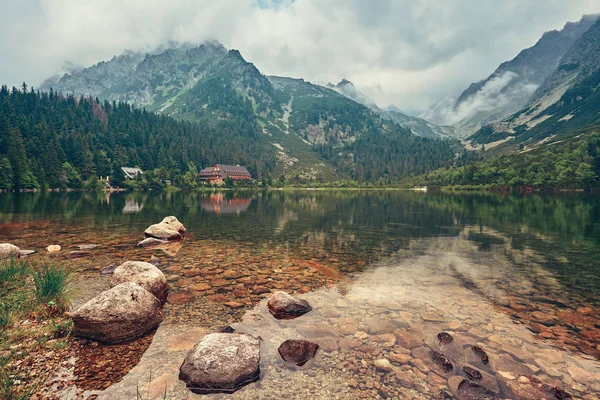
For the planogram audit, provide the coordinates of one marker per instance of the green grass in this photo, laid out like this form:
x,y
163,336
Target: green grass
x,y
11,270
51,284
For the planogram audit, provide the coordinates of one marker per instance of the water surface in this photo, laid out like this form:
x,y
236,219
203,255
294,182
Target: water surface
x,y
384,271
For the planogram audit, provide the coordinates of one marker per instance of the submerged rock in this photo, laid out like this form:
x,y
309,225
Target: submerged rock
x,y
472,373
297,351
284,306
443,395
221,362
445,338
151,242
530,388
478,350
168,229
8,250
144,274
383,365
441,361
124,312
465,390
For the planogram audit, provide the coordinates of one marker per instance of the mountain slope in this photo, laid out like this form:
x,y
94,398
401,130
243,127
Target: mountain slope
x,y
566,103
416,125
513,83
309,129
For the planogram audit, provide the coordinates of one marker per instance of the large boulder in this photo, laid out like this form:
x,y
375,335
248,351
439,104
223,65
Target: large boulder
x,y
284,306
8,250
297,351
221,362
124,312
168,229
144,274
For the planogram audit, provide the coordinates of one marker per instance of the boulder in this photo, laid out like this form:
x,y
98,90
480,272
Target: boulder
x,y
297,351
168,229
221,362
124,312
25,253
284,306
8,250
144,274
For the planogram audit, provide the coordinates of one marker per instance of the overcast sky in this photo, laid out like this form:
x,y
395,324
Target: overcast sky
x,y
407,52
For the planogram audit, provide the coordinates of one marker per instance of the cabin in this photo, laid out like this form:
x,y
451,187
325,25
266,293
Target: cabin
x,y
217,174
131,173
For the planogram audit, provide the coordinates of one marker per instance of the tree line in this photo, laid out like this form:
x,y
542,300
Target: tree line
x,y
48,140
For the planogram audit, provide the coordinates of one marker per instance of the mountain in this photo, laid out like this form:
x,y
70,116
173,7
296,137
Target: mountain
x,y
416,125
566,103
314,132
511,86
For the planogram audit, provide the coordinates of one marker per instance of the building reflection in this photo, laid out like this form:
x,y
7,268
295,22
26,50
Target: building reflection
x,y
219,204
132,207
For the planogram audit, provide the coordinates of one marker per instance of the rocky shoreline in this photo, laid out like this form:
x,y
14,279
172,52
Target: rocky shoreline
x,y
375,344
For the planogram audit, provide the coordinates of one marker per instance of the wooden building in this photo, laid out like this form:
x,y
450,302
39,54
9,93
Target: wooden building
x,y
217,174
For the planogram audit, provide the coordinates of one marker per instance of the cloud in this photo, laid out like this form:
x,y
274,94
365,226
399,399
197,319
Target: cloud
x,y
406,52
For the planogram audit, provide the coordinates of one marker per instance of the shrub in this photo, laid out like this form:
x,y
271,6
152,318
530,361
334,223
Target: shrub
x,y
51,285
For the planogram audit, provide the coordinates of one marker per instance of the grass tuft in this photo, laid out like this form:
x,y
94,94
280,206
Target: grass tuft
x,y
51,285
9,271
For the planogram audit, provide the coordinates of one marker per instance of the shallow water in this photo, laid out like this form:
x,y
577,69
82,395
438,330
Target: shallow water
x,y
385,272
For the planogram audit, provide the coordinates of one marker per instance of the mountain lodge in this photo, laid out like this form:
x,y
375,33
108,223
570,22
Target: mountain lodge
x,y
220,172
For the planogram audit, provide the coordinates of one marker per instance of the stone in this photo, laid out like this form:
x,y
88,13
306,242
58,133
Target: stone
x,y
407,340
480,353
472,373
168,229
400,358
443,395
87,246
8,250
378,325
383,365
25,253
109,269
445,338
297,351
182,297
349,343
284,306
151,242
53,248
144,274
385,339
465,390
79,254
125,312
441,361
221,362
530,388
234,304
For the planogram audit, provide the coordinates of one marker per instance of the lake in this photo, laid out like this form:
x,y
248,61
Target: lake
x,y
385,272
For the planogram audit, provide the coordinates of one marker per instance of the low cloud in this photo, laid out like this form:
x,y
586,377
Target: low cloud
x,y
399,52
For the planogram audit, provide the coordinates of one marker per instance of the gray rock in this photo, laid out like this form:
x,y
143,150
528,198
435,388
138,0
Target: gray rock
x,y
221,362
168,229
8,250
87,246
25,253
109,269
144,274
284,306
126,311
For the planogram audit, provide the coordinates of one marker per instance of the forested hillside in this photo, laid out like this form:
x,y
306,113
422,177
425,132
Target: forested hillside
x,y
574,163
47,140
